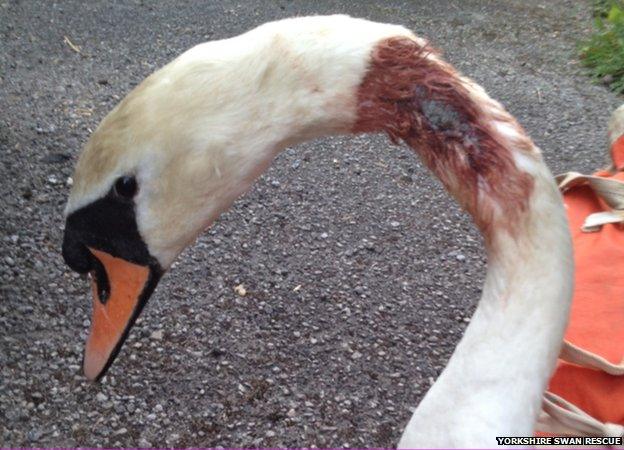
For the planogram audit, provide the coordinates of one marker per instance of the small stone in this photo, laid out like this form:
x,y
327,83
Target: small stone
x,y
121,431
69,181
55,158
10,261
291,412
356,355
395,224
151,417
158,408
324,236
27,193
157,335
407,179
275,183
42,130
240,290
144,443
460,257
34,435
101,397
270,433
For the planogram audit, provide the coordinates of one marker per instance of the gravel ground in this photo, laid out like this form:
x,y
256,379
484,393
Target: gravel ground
x,y
360,273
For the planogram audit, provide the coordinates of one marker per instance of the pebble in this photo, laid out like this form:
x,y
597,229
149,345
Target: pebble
x,y
101,397
34,435
55,158
157,335
10,261
240,290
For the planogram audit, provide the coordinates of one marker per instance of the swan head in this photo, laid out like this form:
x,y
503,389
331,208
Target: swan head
x,y
189,140
157,171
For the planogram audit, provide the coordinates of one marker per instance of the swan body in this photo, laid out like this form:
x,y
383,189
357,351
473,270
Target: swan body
x,y
190,139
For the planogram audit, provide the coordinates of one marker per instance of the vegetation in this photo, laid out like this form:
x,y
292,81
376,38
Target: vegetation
x,y
603,52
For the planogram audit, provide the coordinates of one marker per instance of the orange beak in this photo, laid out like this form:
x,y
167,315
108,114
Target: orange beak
x,y
120,290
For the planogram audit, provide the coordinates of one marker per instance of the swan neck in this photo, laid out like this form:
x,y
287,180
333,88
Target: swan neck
x,y
493,383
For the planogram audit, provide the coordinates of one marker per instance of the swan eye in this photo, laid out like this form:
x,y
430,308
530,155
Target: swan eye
x,y
126,187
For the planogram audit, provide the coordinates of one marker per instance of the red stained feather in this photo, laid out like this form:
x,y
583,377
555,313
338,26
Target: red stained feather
x,y
423,102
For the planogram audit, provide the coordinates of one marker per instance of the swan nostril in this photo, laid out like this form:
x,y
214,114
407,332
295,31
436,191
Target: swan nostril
x,y
101,281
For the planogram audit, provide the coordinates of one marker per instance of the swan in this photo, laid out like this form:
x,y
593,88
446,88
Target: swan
x,y
193,136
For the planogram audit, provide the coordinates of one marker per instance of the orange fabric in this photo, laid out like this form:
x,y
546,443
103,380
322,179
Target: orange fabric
x,y
597,393
109,320
597,315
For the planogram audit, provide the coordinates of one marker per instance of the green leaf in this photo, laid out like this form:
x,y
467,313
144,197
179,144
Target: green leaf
x,y
602,53
616,15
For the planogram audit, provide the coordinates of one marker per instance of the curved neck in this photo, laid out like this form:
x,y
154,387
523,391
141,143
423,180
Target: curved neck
x,y
316,76
494,381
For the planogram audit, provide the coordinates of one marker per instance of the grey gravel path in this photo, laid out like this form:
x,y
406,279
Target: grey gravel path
x,y
360,273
